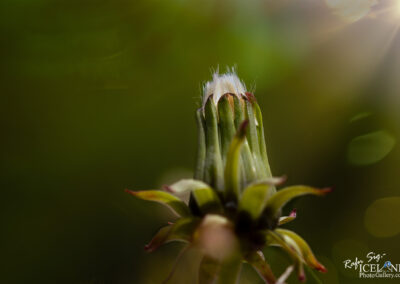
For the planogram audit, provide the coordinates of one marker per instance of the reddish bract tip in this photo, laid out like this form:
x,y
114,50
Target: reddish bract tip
x,y
130,191
321,268
293,213
147,248
170,223
302,277
327,190
250,97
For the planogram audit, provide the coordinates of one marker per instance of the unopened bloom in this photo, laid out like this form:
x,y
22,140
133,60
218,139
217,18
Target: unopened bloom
x,y
234,209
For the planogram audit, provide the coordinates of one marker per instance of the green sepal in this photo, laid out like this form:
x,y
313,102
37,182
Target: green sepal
x,y
176,205
261,138
280,198
252,137
158,239
182,230
213,167
201,145
186,185
287,219
254,198
275,239
226,123
207,200
232,174
257,260
305,249
247,168
238,107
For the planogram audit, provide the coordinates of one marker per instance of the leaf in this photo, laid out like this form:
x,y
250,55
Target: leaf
x,y
232,177
257,260
306,252
279,199
287,219
254,198
174,203
182,230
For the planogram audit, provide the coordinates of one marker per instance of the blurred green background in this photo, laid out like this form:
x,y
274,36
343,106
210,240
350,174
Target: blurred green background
x,y
98,96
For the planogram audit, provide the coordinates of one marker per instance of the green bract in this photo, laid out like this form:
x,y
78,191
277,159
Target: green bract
x,y
234,209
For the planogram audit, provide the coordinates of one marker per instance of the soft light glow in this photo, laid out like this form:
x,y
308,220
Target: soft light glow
x,y
351,10
398,8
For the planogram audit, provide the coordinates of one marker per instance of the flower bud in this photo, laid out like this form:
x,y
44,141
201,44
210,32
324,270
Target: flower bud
x,y
226,105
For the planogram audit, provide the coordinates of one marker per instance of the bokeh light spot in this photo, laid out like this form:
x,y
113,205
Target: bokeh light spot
x,y
370,148
382,218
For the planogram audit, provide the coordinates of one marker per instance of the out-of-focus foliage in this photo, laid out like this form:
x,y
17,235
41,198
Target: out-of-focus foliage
x,y
98,96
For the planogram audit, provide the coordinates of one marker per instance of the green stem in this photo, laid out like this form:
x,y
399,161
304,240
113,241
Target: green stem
x,y
230,271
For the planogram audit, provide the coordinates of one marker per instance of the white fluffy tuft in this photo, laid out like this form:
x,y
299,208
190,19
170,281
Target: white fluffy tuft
x,y
222,84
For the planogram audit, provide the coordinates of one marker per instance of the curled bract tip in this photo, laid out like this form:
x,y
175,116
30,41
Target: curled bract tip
x,y
130,191
321,268
326,190
302,277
